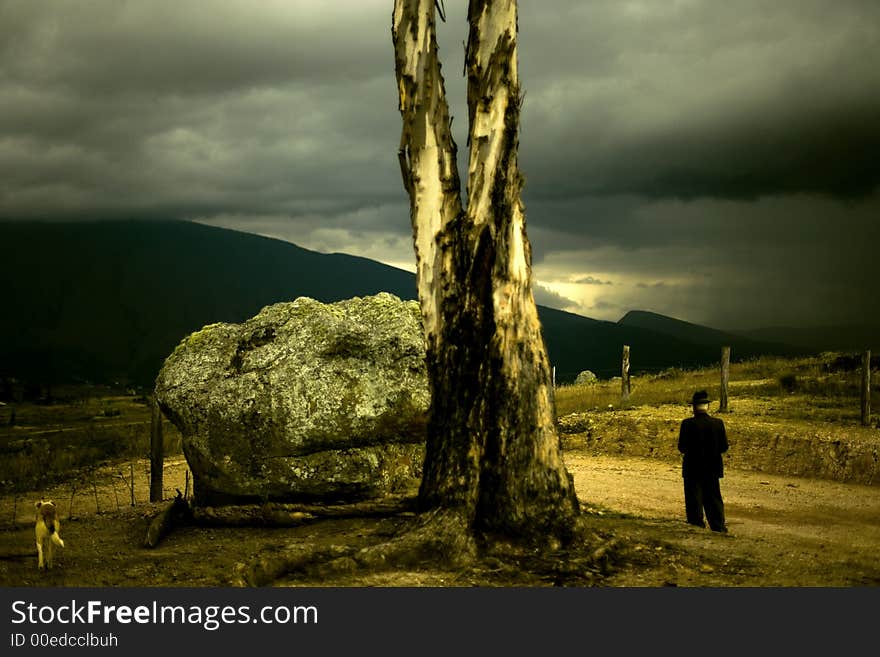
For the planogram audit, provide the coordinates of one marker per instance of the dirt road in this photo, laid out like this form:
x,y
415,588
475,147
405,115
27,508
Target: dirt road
x,y
784,531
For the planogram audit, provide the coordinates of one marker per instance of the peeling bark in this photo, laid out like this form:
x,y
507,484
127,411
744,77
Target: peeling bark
x,y
492,450
432,182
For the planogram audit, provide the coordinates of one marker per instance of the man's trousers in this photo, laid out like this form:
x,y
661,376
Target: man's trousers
x,y
704,493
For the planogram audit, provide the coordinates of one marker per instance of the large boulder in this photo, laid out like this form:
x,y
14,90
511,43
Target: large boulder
x,y
586,378
304,402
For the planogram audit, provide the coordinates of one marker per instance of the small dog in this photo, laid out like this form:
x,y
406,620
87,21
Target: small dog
x,y
47,528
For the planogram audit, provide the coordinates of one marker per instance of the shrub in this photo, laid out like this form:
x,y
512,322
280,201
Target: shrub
x,y
788,382
670,373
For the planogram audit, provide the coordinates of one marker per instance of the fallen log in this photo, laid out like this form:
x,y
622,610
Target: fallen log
x,y
292,515
248,516
173,514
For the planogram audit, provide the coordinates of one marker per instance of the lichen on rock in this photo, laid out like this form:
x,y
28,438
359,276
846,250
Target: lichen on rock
x,y
304,401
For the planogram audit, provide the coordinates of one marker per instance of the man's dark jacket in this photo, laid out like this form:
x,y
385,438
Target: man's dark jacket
x,y
702,439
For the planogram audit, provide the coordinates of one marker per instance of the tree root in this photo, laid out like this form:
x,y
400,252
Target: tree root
x,y
438,537
442,539
267,569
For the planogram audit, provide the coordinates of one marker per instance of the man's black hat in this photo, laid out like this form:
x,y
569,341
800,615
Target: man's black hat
x,y
700,397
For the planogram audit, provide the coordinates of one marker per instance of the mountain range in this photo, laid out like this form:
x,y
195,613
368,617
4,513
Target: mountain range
x,y
107,301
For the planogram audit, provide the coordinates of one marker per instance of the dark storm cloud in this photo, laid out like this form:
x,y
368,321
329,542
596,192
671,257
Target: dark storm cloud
x,y
728,147
189,47
703,99
684,100
828,151
186,109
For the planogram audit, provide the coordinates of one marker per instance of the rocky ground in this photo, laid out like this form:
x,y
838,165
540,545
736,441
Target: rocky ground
x,y
784,531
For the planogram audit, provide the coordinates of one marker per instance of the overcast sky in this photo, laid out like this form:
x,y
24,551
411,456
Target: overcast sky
x,y
717,160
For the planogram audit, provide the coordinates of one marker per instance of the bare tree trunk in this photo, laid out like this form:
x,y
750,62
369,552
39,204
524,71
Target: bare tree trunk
x,y
430,175
493,452
624,376
725,378
157,454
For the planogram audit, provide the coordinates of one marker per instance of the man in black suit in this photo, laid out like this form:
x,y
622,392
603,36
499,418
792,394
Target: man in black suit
x,y
702,439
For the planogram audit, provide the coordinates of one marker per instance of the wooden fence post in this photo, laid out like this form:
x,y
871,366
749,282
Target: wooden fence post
x,y
725,377
157,452
866,388
624,376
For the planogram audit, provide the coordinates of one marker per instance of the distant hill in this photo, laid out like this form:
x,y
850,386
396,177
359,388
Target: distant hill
x,y
741,346
781,340
823,338
108,301
577,343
